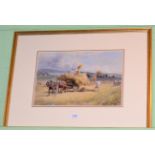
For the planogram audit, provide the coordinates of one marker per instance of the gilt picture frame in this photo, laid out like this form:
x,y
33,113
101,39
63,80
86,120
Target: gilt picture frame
x,y
51,89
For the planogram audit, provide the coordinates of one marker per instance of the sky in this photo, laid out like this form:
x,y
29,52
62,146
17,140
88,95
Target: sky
x,y
92,61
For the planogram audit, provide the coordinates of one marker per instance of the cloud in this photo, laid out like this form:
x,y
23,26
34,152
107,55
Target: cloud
x,y
92,61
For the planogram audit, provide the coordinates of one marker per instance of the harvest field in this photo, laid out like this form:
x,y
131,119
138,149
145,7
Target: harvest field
x,y
107,94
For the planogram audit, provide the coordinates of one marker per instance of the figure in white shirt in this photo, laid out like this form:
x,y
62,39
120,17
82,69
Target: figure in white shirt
x,y
98,83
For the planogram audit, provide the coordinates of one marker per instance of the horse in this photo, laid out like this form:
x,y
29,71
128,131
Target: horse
x,y
51,87
62,86
56,87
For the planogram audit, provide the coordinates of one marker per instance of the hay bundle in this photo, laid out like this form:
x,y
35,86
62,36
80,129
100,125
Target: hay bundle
x,y
80,79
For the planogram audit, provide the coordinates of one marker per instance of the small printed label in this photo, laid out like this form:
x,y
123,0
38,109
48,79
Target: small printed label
x,y
74,116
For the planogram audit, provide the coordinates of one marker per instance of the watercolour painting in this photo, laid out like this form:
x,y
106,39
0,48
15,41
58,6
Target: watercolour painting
x,y
79,78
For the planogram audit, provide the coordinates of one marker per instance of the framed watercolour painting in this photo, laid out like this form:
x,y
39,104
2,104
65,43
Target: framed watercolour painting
x,y
80,78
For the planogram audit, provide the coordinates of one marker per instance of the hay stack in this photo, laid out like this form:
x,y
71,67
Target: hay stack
x,y
78,79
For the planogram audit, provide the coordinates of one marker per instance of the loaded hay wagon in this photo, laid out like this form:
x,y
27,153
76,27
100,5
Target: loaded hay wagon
x,y
74,81
69,82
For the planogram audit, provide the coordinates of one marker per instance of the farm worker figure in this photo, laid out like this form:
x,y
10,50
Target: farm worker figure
x,y
78,69
98,83
57,87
